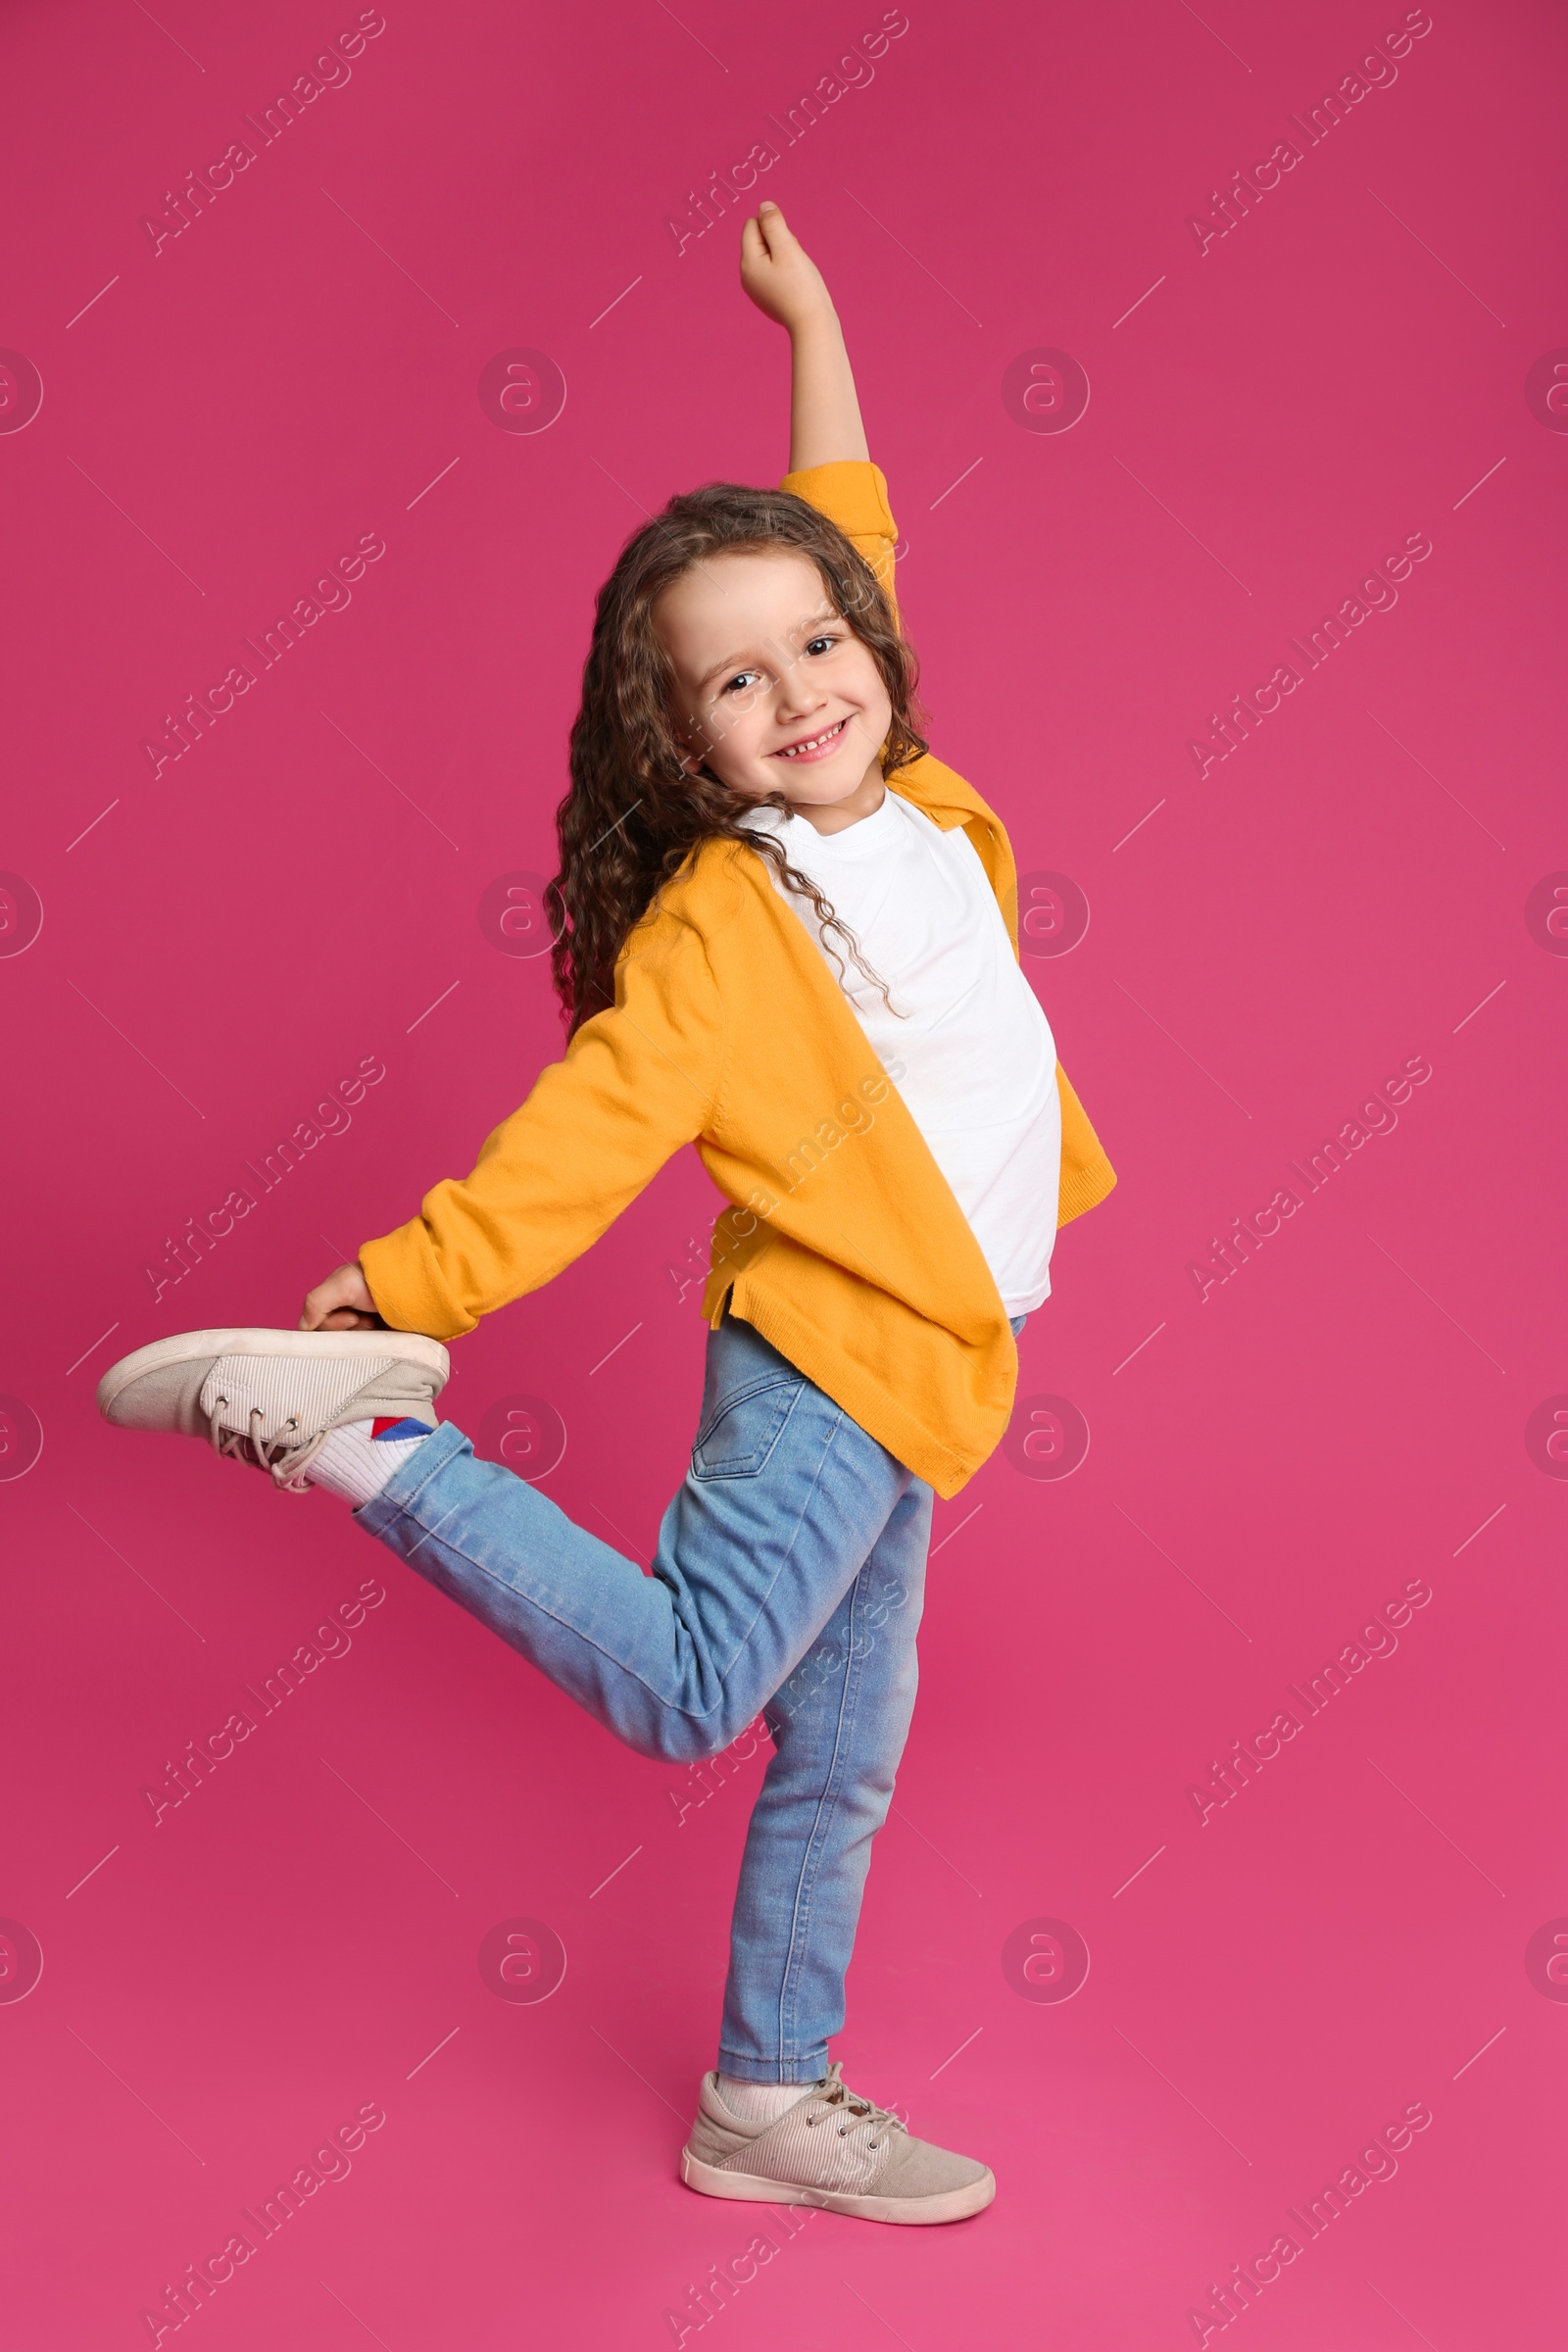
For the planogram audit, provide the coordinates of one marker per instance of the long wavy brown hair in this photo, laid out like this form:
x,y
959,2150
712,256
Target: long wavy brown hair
x,y
633,814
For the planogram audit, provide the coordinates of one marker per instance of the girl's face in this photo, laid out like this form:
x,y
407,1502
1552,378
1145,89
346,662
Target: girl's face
x,y
776,692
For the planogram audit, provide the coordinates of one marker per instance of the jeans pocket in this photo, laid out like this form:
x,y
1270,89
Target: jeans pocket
x,y
743,1429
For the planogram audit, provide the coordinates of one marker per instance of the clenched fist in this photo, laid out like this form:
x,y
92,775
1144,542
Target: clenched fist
x,y
342,1302
779,275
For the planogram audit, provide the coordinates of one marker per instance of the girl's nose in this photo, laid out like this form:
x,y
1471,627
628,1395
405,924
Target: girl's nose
x,y
796,701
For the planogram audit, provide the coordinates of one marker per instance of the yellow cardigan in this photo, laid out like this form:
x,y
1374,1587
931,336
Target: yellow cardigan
x,y
843,1245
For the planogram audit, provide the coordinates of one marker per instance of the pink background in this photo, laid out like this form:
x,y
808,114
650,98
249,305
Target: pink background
x,y
220,945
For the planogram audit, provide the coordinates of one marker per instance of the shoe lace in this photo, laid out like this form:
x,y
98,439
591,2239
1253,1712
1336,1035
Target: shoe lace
x,y
835,2099
282,1458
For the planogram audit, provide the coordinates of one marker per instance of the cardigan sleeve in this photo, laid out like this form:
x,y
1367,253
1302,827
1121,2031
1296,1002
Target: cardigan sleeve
x,y
853,493
637,1081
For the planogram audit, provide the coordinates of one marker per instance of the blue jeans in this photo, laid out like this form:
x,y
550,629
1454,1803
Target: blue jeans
x,y
788,1577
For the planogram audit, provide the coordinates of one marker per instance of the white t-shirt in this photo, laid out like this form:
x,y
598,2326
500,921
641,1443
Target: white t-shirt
x,y
978,1057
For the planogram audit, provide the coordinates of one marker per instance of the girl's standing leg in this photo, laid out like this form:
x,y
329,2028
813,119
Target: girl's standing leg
x,y
839,1725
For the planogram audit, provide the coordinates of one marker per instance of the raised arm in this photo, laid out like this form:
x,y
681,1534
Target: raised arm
x,y
786,285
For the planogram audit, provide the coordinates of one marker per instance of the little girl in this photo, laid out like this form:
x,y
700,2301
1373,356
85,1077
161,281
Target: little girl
x,y
788,936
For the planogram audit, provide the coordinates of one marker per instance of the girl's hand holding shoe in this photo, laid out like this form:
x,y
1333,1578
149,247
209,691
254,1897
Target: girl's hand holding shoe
x,y
342,1302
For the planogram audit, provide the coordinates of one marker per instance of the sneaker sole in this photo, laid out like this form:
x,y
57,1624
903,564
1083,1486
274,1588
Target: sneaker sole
x,y
405,1346
953,2205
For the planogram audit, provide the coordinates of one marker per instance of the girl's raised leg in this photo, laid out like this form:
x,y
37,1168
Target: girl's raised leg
x,y
784,1501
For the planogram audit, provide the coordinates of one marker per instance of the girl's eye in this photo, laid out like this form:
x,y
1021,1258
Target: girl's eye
x,y
739,678
820,641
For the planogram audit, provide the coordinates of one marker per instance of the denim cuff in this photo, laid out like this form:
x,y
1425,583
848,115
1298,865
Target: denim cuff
x,y
794,2070
404,1483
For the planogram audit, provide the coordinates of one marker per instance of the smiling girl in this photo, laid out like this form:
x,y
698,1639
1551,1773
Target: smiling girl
x,y
773,904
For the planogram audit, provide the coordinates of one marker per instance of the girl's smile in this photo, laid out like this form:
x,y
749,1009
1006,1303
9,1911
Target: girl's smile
x,y
815,747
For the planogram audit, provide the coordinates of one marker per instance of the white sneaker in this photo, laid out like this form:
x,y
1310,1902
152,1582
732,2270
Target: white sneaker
x,y
834,2150
271,1397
